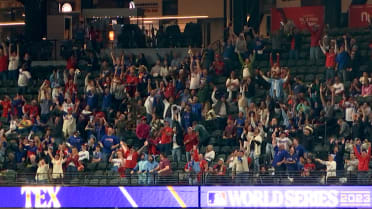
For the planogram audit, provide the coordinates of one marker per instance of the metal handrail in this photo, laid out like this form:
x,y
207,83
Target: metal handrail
x,y
184,178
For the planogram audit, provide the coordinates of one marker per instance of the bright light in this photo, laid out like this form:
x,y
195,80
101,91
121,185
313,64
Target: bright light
x,y
66,7
147,21
248,17
169,18
111,35
12,23
132,5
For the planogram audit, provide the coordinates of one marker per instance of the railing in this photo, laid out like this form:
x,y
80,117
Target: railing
x,y
184,178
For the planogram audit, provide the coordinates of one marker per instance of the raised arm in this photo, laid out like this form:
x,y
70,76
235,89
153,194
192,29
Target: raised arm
x,y
322,47
213,97
143,147
17,50
9,49
4,49
113,58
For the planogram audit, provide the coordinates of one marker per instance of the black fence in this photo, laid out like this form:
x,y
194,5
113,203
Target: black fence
x,y
108,178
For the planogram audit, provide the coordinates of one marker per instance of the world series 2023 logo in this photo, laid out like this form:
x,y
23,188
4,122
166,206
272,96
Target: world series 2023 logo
x,y
288,198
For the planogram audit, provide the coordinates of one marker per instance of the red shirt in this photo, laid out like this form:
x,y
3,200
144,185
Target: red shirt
x,y
131,160
143,131
71,63
363,161
132,80
219,65
166,135
164,163
34,111
169,91
330,60
190,140
315,35
6,108
4,63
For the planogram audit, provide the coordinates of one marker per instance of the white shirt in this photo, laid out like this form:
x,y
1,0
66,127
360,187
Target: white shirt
x,y
116,162
13,63
164,71
339,87
209,156
149,104
331,167
195,81
349,112
234,82
23,78
83,155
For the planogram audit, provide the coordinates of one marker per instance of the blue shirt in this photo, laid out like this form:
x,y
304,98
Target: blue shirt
x,y
196,109
292,158
300,150
342,60
107,142
75,141
91,100
239,122
279,156
106,101
97,155
186,120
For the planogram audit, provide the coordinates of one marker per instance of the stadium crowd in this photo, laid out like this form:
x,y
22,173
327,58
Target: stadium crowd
x,y
149,121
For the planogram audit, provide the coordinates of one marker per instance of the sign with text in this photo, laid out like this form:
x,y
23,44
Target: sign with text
x,y
360,15
83,197
286,197
313,15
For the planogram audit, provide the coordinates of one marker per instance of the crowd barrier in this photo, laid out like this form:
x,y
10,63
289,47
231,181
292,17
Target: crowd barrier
x,y
187,197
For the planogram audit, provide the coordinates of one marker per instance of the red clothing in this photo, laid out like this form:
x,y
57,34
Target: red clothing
x,y
166,135
293,41
4,63
309,166
190,140
169,91
363,161
272,62
143,131
71,63
330,60
220,169
131,160
34,111
74,159
6,108
218,67
152,146
315,35
163,164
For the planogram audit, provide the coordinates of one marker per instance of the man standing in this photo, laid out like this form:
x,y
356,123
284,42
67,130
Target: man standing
x,y
364,157
240,168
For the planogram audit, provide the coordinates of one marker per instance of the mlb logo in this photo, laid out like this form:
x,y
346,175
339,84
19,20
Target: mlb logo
x,y
217,198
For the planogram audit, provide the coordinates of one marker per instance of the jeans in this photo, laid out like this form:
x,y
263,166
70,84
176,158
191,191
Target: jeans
x,y
269,153
13,75
188,156
176,154
4,75
293,54
363,177
314,53
329,73
256,162
22,90
241,178
341,73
